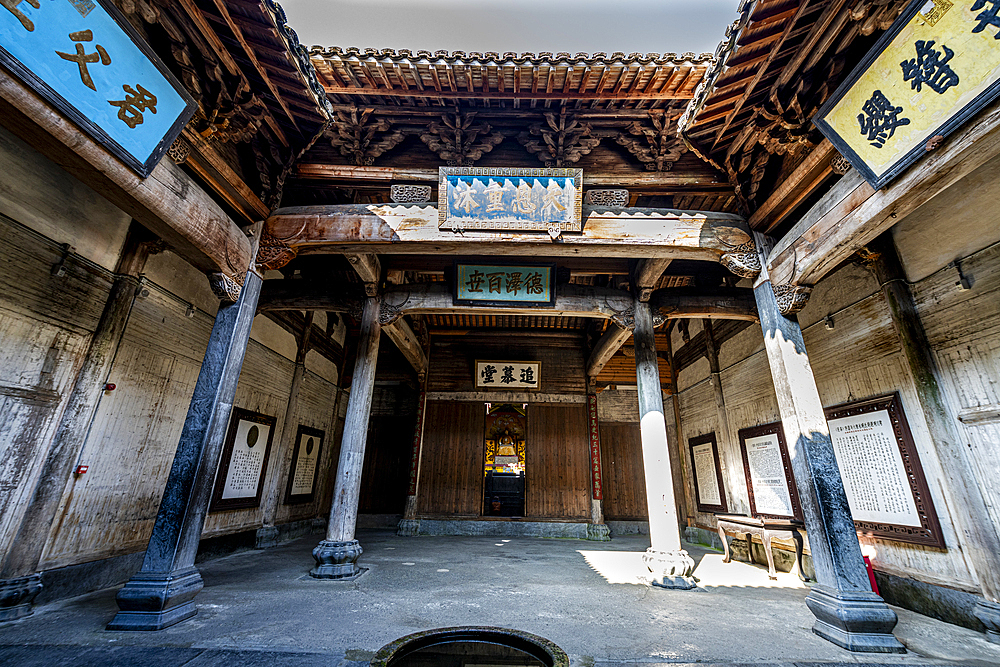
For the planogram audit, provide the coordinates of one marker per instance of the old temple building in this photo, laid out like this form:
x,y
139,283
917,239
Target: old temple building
x,y
253,290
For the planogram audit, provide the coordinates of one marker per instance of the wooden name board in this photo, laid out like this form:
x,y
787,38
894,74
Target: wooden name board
x,y
935,67
87,60
709,489
768,469
528,285
508,375
503,198
882,475
240,479
304,471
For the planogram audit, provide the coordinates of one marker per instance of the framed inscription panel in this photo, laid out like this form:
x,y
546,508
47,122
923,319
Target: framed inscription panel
x,y
882,475
304,470
240,479
709,489
526,285
768,469
508,375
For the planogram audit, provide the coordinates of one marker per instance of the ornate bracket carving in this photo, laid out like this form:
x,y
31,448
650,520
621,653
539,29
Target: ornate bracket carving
x,y
454,139
624,318
657,147
606,198
564,141
273,253
791,298
410,194
226,287
179,150
645,293
392,306
357,136
742,260
840,164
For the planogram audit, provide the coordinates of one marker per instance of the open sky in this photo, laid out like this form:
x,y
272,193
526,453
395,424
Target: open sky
x,y
644,26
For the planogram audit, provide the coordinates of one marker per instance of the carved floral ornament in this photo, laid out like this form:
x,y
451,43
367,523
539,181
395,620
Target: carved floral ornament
x,y
656,144
564,139
458,140
360,137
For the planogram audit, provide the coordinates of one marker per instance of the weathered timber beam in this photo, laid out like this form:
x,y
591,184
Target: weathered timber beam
x,y
402,335
571,301
368,269
168,203
801,183
852,213
606,348
399,229
300,295
639,179
647,275
511,95
694,349
736,303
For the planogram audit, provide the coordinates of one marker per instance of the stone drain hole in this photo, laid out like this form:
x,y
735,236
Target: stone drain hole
x,y
454,647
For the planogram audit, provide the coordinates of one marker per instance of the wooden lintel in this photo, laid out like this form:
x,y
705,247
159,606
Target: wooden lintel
x,y
400,229
736,303
509,95
299,295
367,267
402,335
853,213
168,202
606,348
213,169
795,188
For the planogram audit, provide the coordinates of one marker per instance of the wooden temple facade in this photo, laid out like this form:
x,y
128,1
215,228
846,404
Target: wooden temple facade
x,y
275,331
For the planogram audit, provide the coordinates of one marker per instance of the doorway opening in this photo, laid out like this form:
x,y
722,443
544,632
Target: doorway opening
x,y
504,435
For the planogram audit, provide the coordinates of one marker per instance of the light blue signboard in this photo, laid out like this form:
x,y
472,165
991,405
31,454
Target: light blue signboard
x,y
503,198
504,285
86,59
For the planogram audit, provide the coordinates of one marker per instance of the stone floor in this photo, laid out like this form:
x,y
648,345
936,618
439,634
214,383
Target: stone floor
x,y
260,608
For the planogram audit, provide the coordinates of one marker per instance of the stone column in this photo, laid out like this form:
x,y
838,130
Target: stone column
x,y
19,581
409,525
597,530
162,592
978,534
267,534
669,564
847,612
337,555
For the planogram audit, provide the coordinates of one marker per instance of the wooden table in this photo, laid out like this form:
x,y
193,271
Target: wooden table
x,y
765,528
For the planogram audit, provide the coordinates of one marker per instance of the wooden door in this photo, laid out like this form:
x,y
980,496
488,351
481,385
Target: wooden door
x,y
557,462
624,479
451,469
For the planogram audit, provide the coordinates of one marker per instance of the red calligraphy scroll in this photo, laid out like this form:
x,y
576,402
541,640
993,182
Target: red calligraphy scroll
x,y
595,447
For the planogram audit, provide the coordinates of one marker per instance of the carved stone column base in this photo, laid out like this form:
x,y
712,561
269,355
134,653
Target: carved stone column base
x,y
408,528
157,600
16,596
336,560
598,532
858,621
267,537
670,569
989,613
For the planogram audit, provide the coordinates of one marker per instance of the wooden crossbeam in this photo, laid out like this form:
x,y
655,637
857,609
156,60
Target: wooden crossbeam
x,y
606,347
566,94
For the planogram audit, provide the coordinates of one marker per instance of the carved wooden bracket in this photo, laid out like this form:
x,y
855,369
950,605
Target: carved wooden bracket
x,y
657,147
179,150
226,287
742,260
454,139
564,139
791,298
358,137
273,253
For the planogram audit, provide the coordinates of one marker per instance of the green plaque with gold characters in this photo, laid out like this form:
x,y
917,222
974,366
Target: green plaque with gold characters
x,y
935,67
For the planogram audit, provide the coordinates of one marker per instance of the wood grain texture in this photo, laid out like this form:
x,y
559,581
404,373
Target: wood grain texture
x,y
624,482
557,458
451,466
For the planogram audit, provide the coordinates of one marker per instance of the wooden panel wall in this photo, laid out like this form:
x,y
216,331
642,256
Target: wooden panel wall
x,y
557,462
386,475
699,415
451,470
624,477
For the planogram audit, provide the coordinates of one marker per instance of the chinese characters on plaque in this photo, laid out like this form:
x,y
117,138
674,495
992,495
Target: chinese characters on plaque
x,y
708,485
504,198
304,470
935,67
595,447
768,472
240,478
508,375
88,61
521,285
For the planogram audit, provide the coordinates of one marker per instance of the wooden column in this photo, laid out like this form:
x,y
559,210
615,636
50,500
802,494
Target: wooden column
x,y
409,525
729,451
977,531
267,534
162,592
597,530
19,580
670,565
337,555
847,612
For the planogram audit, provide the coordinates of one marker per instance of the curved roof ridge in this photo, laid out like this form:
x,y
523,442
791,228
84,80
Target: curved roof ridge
x,y
508,56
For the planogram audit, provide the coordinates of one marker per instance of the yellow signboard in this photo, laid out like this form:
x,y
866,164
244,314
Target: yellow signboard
x,y
937,65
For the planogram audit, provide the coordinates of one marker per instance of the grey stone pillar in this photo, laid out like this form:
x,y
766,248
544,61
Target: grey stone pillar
x,y
669,564
337,555
162,592
847,612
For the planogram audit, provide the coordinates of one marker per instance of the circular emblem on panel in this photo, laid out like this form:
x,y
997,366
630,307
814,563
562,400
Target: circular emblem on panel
x,y
309,446
252,435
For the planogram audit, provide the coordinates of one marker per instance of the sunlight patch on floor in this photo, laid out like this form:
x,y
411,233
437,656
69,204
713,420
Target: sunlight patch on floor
x,y
626,567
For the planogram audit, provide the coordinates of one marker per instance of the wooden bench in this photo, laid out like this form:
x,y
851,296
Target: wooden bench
x,y
765,529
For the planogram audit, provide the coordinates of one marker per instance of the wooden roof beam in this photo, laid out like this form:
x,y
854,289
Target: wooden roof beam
x,y
567,94
609,344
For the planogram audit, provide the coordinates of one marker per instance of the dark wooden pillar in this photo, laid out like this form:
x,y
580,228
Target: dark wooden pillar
x,y
337,555
162,592
409,525
847,612
19,580
597,530
669,564
980,540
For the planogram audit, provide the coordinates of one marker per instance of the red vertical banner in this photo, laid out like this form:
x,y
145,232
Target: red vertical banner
x,y
595,446
418,431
